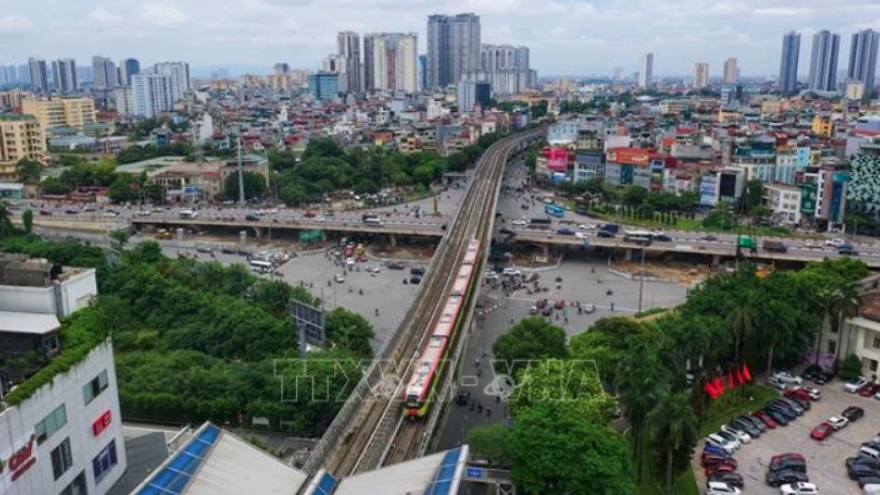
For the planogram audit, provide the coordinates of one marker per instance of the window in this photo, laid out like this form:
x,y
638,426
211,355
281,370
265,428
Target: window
x,y
77,486
876,342
832,347
53,422
95,387
62,459
872,364
104,461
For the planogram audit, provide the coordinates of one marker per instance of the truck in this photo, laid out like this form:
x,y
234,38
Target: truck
x,y
540,223
747,242
775,246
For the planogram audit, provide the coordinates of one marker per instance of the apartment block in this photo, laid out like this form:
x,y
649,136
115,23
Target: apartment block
x,y
61,112
21,136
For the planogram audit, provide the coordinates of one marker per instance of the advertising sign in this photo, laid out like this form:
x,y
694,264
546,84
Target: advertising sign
x,y
808,199
101,424
556,159
15,461
629,156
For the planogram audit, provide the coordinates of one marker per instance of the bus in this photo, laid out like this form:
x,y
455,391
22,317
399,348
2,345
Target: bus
x,y
554,210
638,237
262,266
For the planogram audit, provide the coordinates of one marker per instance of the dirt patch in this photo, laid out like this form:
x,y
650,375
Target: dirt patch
x,y
683,273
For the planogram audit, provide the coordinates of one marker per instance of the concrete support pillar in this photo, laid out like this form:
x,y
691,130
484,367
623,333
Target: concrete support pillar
x,y
258,232
392,238
716,260
546,250
323,236
628,254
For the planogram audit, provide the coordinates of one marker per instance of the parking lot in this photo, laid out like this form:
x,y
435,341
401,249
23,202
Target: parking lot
x,y
825,459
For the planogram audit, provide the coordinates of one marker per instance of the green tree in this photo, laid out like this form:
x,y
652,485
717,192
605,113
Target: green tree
x,y
254,186
530,339
674,430
53,186
556,451
634,195
490,443
27,219
6,227
851,367
350,331
323,147
121,189
844,302
753,196
29,171
574,382
743,323
118,240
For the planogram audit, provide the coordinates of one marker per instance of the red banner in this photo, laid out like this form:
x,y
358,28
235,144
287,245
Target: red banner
x,y
746,374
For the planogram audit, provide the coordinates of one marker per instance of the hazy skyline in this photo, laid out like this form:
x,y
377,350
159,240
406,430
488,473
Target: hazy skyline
x,y
566,37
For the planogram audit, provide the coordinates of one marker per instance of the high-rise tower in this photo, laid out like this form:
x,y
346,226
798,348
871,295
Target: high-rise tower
x,y
863,58
646,70
453,48
823,61
788,68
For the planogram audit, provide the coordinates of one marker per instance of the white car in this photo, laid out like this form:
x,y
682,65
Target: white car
x,y
587,226
512,272
730,437
580,235
777,383
786,377
718,441
340,278
837,422
799,489
372,269
743,436
836,242
814,393
719,488
520,223
854,386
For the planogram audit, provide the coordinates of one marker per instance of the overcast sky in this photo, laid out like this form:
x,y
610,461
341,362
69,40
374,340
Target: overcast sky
x,y
572,37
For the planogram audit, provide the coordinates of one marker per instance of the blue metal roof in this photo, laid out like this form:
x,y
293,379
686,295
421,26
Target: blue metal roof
x,y
177,473
445,477
327,485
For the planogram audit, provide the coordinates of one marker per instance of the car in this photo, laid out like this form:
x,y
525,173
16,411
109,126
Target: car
x,y
869,390
71,211
372,269
777,383
836,242
787,377
709,238
462,398
719,469
250,217
847,251
417,271
860,471
559,304
710,460
757,423
776,416
854,385
869,480
548,311
786,477
746,426
796,393
732,479
226,249
783,409
512,272
837,422
587,226
110,214
853,413
765,419
721,488
415,280
791,404
813,393
204,249
739,431
719,441
564,231
339,278
822,431
731,437
863,460
605,234
799,489
788,462
661,238
542,303
714,449
799,402
520,223
395,265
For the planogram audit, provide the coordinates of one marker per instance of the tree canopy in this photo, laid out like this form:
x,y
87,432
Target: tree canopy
x,y
530,339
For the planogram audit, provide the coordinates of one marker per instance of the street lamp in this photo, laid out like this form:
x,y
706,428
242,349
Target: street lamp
x,y
642,280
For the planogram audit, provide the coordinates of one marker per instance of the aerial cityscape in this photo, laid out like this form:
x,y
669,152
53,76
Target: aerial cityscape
x,y
491,248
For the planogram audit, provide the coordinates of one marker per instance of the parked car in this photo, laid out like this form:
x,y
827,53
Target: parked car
x,y
714,449
869,390
417,271
765,418
799,402
742,433
784,409
822,431
837,422
788,462
799,489
836,242
395,265
777,416
862,460
415,280
853,413
720,488
776,383
814,393
786,477
757,423
711,460
787,377
853,386
719,469
732,479
791,404
857,471
728,446
797,393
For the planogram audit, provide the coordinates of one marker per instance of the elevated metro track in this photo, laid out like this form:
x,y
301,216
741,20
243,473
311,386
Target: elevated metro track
x,y
368,431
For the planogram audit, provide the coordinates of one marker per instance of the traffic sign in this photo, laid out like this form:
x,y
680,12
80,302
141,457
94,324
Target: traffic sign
x,y
473,472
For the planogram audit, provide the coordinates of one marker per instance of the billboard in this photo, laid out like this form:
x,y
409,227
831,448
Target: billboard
x,y
629,156
808,199
557,159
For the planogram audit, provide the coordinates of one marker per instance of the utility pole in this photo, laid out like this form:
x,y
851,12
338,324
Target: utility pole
x,y
642,280
241,199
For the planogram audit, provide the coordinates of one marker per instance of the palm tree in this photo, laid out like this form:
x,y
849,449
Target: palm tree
x,y
843,302
638,384
674,426
743,321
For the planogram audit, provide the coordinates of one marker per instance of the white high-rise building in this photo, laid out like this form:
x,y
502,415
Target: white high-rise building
x,y
392,61
151,94
349,48
731,73
646,71
178,78
701,75
39,74
124,101
453,48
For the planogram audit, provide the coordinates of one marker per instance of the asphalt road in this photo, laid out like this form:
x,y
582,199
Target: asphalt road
x,y
579,284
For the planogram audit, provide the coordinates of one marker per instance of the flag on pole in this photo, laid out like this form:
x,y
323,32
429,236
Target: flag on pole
x,y
739,378
746,374
730,381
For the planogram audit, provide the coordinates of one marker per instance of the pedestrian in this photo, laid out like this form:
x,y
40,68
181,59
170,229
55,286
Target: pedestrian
x,y
612,306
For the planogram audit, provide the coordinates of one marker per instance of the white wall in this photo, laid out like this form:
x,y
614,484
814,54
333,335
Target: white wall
x,y
17,422
76,292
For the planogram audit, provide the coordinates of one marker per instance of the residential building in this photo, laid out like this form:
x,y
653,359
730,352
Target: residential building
x,y
66,435
636,166
472,94
823,61
337,64
726,184
151,94
127,69
783,203
505,68
731,72
324,85
646,70
39,75
791,49
453,48
860,334
855,90
863,59
391,61
864,185
124,100
105,74
179,81
756,158
825,193
61,112
13,98
423,72
20,137
64,75
349,48
701,75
